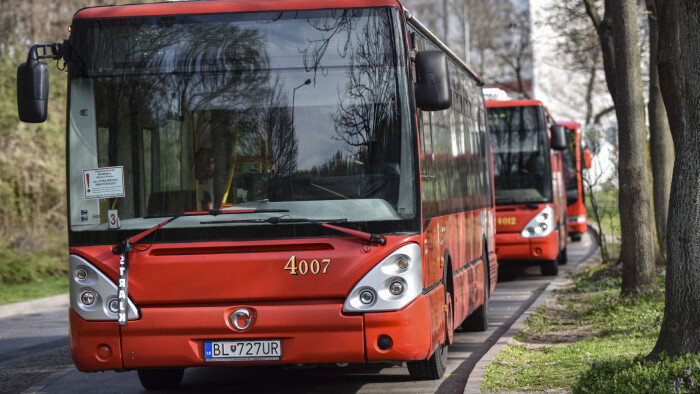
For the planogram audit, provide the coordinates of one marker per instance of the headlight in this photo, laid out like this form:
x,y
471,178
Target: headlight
x,y
576,219
93,296
390,285
541,225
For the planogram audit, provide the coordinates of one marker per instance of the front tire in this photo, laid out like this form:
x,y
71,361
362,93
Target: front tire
x,y
563,258
430,369
550,267
161,379
575,237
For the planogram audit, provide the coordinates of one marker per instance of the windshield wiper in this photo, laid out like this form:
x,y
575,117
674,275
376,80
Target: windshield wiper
x,y
127,246
378,239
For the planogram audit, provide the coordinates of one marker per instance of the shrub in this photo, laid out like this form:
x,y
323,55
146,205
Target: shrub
x,y
636,375
19,266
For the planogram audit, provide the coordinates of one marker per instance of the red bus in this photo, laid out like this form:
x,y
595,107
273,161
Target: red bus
x,y
575,160
269,183
529,184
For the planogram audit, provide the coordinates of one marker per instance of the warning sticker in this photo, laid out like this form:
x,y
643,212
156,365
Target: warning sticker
x,y
105,182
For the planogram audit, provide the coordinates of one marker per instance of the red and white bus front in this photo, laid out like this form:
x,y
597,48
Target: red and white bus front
x,y
530,200
300,119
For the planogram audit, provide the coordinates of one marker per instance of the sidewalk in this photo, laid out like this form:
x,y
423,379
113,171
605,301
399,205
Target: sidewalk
x,y
34,306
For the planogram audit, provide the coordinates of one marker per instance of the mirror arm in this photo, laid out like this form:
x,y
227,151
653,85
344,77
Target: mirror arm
x,y
55,50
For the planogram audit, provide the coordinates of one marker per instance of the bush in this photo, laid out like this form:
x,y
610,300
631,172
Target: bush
x,y
636,375
19,266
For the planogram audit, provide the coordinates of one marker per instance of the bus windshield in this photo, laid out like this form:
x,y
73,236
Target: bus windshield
x,y
570,172
298,110
520,155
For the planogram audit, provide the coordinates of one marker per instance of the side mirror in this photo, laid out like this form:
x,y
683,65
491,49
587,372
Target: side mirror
x,y
558,140
433,92
587,158
33,83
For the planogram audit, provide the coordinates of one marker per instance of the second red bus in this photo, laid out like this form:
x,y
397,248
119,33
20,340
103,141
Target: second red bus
x,y
529,183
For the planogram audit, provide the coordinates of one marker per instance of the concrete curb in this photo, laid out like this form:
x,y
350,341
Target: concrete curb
x,y
477,375
34,306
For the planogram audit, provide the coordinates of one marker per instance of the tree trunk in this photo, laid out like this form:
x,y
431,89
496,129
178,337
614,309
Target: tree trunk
x,y
680,332
593,71
670,63
661,143
604,27
637,252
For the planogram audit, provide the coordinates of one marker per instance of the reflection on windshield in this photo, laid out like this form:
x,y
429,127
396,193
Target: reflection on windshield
x,y
521,166
300,110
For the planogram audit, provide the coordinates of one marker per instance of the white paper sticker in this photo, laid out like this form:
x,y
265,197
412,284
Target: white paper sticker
x,y
113,218
105,182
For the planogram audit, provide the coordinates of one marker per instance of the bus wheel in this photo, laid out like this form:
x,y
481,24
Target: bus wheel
x,y
432,368
550,267
576,237
479,319
563,259
160,379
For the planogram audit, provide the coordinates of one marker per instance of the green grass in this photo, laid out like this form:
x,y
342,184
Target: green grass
x,y
636,375
49,286
609,225
561,340
38,269
18,266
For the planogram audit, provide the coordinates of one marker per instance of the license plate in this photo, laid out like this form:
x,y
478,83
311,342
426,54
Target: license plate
x,y
242,350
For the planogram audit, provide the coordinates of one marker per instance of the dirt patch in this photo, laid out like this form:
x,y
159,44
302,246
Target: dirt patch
x,y
562,337
568,327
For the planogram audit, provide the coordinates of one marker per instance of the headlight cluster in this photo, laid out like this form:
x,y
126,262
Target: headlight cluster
x,y
576,219
93,296
390,285
541,225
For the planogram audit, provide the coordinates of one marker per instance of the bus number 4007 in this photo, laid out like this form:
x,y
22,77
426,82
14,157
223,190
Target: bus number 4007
x,y
303,267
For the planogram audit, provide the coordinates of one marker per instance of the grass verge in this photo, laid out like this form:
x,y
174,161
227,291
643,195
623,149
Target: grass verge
x,y
45,287
34,268
581,324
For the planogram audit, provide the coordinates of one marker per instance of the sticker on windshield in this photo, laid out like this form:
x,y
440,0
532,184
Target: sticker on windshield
x,y
105,182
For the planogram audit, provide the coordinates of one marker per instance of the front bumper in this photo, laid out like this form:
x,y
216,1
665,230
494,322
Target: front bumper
x,y
577,228
311,332
511,246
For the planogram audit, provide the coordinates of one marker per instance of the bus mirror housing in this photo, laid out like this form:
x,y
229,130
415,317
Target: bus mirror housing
x,y
32,91
587,158
33,83
433,92
558,140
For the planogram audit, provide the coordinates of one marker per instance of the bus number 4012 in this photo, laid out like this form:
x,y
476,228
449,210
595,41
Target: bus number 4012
x,y
304,267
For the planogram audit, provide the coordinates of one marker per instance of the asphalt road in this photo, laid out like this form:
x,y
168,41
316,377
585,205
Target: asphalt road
x,y
34,356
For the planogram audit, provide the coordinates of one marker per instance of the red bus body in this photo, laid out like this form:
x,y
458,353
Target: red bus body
x,y
515,215
185,291
577,216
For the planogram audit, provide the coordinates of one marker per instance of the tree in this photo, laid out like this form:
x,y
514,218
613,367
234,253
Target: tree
x,y
500,39
661,143
578,51
669,62
679,329
618,33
